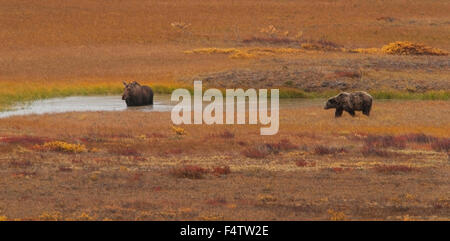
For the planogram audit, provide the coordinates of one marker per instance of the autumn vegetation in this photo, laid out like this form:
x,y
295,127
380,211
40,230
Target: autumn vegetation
x,y
133,165
145,170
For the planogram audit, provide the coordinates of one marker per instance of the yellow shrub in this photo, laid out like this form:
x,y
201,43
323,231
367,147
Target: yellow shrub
x,y
242,55
335,215
85,217
64,147
46,216
94,150
178,130
267,198
310,46
409,48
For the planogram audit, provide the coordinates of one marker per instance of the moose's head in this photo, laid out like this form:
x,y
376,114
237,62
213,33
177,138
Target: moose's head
x,y
129,89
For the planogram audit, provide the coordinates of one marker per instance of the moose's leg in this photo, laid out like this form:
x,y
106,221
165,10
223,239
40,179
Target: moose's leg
x,y
338,112
129,103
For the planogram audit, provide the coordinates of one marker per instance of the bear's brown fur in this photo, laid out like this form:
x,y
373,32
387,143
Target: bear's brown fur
x,y
350,102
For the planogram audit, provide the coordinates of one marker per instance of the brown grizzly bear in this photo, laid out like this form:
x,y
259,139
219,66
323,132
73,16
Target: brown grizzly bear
x,y
350,102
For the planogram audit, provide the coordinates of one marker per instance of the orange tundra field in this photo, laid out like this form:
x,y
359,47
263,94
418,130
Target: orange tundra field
x,y
133,165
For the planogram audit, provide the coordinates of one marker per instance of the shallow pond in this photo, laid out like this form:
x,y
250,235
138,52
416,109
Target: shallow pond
x,y
162,103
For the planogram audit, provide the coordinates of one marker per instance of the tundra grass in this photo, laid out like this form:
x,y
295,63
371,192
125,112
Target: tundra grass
x,y
377,94
261,178
429,95
11,96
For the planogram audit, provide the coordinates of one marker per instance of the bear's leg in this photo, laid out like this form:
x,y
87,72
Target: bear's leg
x,y
351,112
366,110
338,112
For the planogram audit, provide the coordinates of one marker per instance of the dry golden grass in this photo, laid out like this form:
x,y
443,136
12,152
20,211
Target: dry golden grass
x,y
61,146
85,22
247,53
395,48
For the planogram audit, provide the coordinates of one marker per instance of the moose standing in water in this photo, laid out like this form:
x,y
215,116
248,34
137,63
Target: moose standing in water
x,y
350,102
135,94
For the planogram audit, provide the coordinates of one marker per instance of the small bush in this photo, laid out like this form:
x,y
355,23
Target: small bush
x,y
270,40
336,215
23,140
61,146
441,203
217,201
374,143
267,198
409,48
50,216
385,141
323,45
24,174
441,145
324,150
65,169
371,150
419,138
227,134
124,151
179,131
289,83
84,217
394,169
242,143
339,169
189,171
135,177
212,51
242,55
303,163
348,74
286,145
20,163
180,26
365,50
174,151
283,145
266,149
256,152
386,18
223,170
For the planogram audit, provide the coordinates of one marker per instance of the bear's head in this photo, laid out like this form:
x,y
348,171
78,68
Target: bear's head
x,y
331,103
